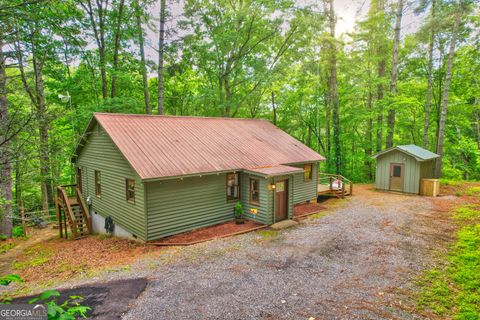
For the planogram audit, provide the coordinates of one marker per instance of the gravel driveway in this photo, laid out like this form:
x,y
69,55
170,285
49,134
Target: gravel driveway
x,y
348,264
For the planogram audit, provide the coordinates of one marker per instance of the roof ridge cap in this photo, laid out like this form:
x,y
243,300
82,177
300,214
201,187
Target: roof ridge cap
x,y
140,115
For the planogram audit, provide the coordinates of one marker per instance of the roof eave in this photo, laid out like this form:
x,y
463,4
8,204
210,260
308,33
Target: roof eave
x,y
271,175
83,138
381,153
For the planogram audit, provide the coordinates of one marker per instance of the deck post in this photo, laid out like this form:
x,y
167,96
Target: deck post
x,y
59,216
65,222
343,189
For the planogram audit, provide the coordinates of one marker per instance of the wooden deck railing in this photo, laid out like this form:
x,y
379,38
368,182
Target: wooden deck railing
x,y
65,203
329,179
80,221
84,209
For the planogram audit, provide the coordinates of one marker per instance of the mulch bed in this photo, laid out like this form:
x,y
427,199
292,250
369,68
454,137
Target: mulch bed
x,y
208,233
306,209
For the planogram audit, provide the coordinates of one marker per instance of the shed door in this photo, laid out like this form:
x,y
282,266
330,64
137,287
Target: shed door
x,y
281,200
397,173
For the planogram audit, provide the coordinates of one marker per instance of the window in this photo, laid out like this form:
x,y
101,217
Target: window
x,y
98,183
307,173
233,186
397,171
130,190
254,190
280,186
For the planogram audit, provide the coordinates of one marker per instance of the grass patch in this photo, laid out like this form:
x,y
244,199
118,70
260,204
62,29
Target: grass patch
x,y
36,256
435,294
473,191
4,247
453,291
467,212
449,182
317,215
268,234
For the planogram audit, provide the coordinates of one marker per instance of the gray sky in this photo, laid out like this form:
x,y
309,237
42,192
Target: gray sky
x,y
347,11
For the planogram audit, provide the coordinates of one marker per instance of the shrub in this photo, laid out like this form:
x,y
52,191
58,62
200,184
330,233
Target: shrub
x,y
70,309
238,211
17,232
9,278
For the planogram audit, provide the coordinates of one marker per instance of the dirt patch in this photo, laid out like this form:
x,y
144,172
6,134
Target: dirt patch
x,y
461,191
59,259
212,232
106,300
307,208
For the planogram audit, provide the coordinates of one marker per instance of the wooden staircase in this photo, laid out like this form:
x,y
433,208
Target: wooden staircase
x,y
334,185
72,212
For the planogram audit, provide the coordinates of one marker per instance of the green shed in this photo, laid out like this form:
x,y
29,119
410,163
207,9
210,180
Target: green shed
x,y
402,167
157,176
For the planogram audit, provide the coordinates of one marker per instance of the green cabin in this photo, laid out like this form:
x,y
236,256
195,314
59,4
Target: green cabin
x,y
157,176
401,168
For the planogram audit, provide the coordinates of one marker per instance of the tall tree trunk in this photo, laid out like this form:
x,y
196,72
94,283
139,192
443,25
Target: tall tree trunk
x,y
99,34
368,149
18,189
446,90
46,182
146,94
102,53
309,136
5,164
394,74
477,127
228,96
334,91
328,133
161,49
381,67
274,107
116,48
37,98
428,99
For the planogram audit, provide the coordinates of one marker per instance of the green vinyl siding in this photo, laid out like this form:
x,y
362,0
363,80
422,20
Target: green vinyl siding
x,y
175,206
100,153
304,190
411,174
264,212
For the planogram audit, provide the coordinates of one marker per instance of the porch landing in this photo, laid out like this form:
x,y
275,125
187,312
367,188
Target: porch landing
x,y
283,224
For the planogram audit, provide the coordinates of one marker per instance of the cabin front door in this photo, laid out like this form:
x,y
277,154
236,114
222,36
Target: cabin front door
x,y
397,173
281,200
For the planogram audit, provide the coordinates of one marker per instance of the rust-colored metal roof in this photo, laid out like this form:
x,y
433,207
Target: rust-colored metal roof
x,y
276,170
166,146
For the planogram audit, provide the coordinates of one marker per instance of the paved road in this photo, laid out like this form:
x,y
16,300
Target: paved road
x,y
348,264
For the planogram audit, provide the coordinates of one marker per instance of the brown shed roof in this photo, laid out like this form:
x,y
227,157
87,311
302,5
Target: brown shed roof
x,y
165,146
